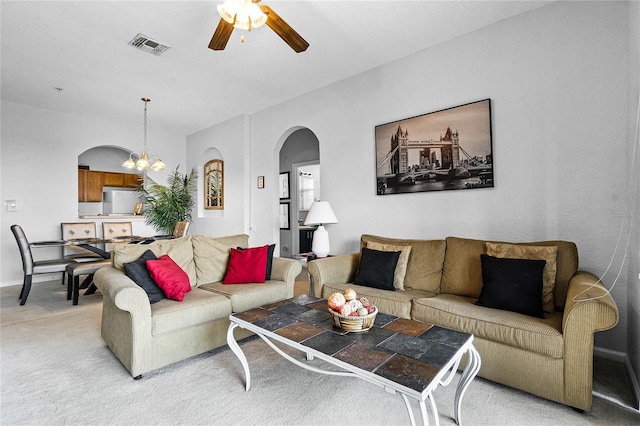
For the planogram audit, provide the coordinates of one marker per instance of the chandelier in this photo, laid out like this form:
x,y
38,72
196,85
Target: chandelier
x,y
144,159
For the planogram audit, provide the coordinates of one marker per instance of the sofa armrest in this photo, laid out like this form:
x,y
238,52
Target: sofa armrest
x,y
126,319
284,269
338,269
588,308
125,294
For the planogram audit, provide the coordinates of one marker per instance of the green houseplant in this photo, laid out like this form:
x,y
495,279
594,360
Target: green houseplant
x,y
167,205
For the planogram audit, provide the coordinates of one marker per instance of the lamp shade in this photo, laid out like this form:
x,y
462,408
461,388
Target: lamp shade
x,y
319,213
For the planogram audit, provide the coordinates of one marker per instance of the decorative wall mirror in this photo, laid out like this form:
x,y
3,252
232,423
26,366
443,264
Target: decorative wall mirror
x,y
214,185
308,185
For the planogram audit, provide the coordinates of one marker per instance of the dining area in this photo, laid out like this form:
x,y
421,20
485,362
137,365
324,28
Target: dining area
x,y
81,252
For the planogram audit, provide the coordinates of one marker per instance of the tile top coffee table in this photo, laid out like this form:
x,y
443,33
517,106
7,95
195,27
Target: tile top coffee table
x,y
400,355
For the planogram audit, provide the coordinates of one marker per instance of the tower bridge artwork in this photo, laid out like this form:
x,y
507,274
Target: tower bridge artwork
x,y
442,150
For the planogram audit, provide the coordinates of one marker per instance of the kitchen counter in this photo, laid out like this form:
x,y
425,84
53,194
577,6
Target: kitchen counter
x,y
113,217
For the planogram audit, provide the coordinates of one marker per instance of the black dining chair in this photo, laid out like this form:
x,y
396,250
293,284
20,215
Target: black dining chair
x,y
31,267
75,270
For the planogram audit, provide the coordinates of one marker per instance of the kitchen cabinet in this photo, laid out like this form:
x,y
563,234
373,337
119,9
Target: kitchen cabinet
x,y
131,180
121,180
112,179
89,186
91,183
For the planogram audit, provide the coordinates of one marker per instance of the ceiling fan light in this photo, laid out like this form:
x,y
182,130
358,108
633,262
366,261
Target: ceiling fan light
x,y
228,10
243,14
256,16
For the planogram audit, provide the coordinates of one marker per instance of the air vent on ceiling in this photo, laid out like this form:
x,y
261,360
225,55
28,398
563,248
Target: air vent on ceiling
x,y
147,44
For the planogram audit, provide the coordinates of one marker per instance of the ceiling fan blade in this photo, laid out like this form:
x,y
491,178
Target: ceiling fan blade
x,y
221,36
286,33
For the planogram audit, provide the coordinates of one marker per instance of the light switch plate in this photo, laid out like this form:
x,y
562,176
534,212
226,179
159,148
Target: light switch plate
x,y
11,205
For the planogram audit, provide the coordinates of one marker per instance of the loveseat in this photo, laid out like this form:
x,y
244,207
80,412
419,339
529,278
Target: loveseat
x,y
550,356
145,336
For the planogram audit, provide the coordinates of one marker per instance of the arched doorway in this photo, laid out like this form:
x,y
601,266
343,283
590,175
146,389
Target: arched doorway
x,y
103,161
300,153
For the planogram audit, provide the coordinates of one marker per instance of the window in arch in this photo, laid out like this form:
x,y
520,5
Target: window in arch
x,y
214,185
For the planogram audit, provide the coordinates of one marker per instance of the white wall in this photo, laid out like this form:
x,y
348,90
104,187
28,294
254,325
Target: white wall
x,y
557,80
39,161
633,292
229,142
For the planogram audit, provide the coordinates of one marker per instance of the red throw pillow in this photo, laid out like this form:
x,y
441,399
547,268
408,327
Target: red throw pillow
x,y
170,277
246,266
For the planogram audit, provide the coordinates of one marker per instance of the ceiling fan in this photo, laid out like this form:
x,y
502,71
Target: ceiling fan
x,y
247,15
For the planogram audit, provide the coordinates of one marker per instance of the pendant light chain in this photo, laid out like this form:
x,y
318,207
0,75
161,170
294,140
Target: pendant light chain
x,y
144,159
146,101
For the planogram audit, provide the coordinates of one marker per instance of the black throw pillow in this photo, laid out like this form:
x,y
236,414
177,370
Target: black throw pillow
x,y
272,247
376,268
512,285
138,272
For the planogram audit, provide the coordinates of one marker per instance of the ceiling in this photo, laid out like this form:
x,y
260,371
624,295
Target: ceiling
x,y
81,47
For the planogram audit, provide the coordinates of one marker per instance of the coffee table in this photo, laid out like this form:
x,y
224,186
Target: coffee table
x,y
402,356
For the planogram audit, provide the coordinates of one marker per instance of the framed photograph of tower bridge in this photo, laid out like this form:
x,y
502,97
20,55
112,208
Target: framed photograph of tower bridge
x,y
438,151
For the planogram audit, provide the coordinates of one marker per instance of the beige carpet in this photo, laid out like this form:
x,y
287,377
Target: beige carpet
x,y
55,369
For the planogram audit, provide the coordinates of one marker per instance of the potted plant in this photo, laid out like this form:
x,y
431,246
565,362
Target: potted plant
x,y
167,205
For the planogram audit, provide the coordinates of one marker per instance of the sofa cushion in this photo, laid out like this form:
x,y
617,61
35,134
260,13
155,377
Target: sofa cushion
x,y
522,251
248,296
462,273
246,265
424,269
138,272
512,284
377,268
180,250
401,267
272,248
396,303
173,281
211,255
198,307
537,335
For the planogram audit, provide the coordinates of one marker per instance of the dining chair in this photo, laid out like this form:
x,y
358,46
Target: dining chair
x,y
75,270
77,230
181,229
32,267
111,230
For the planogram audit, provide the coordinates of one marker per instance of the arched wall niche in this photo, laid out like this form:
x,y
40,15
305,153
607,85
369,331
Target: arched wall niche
x,y
207,155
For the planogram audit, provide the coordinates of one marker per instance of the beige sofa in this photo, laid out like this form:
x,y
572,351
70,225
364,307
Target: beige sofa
x,y
551,357
146,336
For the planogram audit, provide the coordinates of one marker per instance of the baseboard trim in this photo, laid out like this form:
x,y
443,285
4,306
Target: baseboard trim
x,y
634,381
609,354
624,359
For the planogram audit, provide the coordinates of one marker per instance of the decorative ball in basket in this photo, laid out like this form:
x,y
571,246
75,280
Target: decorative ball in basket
x,y
351,313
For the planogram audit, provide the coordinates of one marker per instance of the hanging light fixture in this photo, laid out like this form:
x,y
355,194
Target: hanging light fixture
x,y
242,14
144,160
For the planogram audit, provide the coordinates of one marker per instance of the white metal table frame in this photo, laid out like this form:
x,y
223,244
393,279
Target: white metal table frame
x,y
443,378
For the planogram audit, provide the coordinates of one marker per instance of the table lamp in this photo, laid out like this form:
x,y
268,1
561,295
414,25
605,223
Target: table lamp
x,y
319,214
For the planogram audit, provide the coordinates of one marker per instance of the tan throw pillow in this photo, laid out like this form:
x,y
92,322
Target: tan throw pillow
x,y
211,255
521,251
401,266
179,249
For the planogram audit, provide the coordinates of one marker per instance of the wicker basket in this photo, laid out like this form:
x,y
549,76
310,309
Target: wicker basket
x,y
353,324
